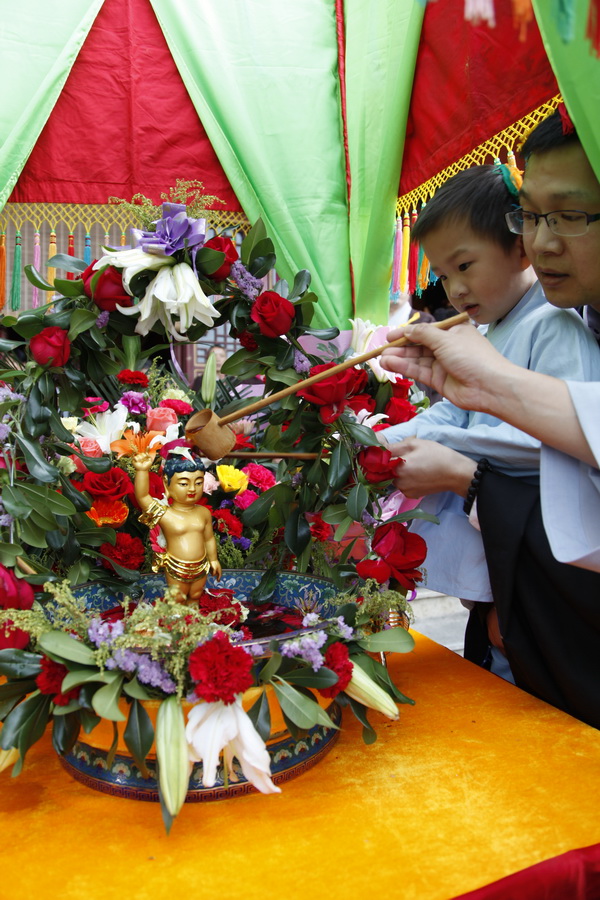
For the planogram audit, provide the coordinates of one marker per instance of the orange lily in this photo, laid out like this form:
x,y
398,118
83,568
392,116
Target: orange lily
x,y
132,443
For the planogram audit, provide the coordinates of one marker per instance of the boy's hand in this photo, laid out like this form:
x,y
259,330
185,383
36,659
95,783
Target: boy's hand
x,y
142,462
215,569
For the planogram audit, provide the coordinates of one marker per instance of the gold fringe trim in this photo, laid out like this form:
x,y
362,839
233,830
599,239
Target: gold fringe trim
x,y
504,142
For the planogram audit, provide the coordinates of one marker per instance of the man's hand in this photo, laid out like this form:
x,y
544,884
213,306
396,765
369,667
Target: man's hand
x,y
429,468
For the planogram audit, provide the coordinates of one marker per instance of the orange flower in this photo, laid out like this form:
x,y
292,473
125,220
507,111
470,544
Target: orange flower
x,y
132,443
108,512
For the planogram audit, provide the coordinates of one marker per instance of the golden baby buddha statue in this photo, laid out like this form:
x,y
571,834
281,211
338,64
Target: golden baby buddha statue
x,y
190,553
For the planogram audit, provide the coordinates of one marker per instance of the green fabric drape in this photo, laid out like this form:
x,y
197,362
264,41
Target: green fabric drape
x,y
39,42
577,71
381,48
263,78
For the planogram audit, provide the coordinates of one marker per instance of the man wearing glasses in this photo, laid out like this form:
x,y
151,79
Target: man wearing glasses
x,y
542,545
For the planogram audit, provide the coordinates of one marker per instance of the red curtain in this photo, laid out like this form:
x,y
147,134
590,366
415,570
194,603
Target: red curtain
x,y
124,122
471,81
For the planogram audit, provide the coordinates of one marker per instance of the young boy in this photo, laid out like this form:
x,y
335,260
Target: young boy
x,y
485,272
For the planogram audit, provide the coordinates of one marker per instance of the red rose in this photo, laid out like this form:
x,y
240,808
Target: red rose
x,y
273,314
50,680
377,464
109,291
127,552
133,376
227,523
15,593
112,485
402,550
179,406
401,388
398,410
374,568
331,394
51,347
247,341
224,245
220,670
338,660
360,402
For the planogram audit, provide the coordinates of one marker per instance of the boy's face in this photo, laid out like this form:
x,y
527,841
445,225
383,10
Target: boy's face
x,y
185,487
479,276
568,267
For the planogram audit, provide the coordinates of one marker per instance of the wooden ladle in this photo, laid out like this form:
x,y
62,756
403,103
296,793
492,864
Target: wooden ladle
x,y
215,439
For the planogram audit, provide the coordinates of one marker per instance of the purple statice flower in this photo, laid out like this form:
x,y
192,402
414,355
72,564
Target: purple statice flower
x,y
4,432
6,520
345,630
246,282
225,504
307,647
125,660
254,649
100,632
7,394
175,231
151,672
296,479
309,619
242,542
135,403
103,318
301,363
367,519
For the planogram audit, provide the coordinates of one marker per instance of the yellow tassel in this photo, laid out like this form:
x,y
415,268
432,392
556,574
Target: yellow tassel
x,y
405,252
51,272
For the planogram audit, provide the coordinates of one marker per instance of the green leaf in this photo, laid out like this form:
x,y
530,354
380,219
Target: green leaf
x,y
26,723
19,663
136,690
297,532
259,510
299,709
361,434
285,376
301,284
307,677
339,467
209,260
139,735
36,279
271,667
368,734
262,265
105,701
342,528
393,640
84,675
60,644
37,466
265,589
9,552
32,534
260,716
65,731
69,288
68,263
356,503
335,514
43,518
12,692
47,498
79,572
323,334
257,233
15,501
81,320
88,720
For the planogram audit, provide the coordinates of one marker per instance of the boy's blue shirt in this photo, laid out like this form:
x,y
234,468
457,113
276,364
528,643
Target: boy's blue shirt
x,y
537,336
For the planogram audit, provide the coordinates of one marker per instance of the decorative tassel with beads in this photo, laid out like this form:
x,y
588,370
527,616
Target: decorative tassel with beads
x,y
51,252
15,287
2,270
37,259
564,19
480,11
522,11
87,249
395,282
592,31
405,250
413,259
71,252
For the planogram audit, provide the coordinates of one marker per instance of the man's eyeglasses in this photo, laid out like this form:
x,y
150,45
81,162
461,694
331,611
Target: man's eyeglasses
x,y
567,222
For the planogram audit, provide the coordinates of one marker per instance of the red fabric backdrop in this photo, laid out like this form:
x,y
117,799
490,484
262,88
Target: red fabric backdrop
x,y
470,82
124,122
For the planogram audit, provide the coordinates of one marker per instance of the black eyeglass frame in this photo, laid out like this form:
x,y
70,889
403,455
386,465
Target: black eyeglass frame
x,y
589,217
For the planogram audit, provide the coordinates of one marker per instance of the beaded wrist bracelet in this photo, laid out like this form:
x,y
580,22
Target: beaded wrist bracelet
x,y
482,466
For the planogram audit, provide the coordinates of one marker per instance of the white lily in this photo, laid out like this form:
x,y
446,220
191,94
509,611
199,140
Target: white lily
x,y
367,692
106,427
132,262
171,434
215,727
362,332
193,304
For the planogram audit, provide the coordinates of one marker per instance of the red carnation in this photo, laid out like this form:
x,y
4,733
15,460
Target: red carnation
x,y
243,442
50,680
127,552
179,406
398,411
51,347
272,313
319,529
227,523
223,245
220,670
337,659
112,485
133,376
374,568
402,550
259,476
247,341
377,464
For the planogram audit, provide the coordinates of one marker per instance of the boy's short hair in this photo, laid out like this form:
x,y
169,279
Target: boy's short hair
x,y
176,464
548,135
477,197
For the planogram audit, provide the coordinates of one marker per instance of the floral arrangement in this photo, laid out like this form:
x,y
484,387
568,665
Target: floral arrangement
x,y
70,666
83,389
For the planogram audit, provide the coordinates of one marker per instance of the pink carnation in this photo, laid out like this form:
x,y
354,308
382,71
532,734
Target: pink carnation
x,y
259,476
245,499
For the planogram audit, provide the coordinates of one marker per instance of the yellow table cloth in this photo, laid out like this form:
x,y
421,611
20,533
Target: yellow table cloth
x,y
478,780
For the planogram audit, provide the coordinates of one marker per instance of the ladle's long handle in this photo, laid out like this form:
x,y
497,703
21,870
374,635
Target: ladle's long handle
x,y
335,370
